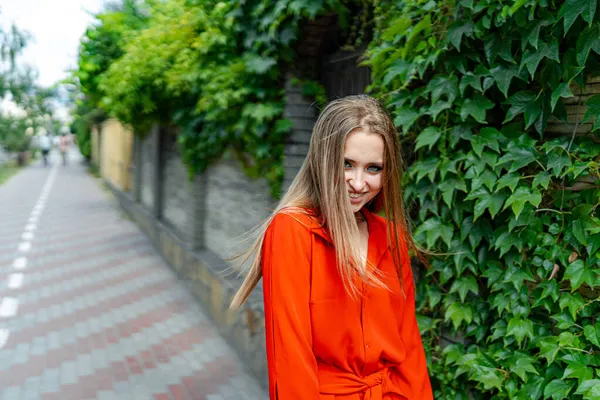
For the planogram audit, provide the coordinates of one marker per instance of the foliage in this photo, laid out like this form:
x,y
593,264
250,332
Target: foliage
x,y
214,69
474,84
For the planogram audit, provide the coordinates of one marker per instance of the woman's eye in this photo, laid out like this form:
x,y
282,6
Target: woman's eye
x,y
374,168
347,164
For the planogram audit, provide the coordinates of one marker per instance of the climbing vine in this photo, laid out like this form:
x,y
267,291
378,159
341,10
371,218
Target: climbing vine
x,y
511,311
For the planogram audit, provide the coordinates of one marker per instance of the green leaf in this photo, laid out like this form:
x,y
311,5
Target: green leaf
x,y
579,232
520,328
571,9
562,90
405,118
523,195
549,348
476,107
510,181
534,33
459,313
590,389
507,240
589,39
593,111
522,365
579,371
469,79
400,25
532,58
464,285
486,200
434,229
574,302
428,137
592,333
503,76
543,179
578,274
456,32
557,390
515,7
522,102
260,65
443,86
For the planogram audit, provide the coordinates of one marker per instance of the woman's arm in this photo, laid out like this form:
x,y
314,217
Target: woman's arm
x,y
286,258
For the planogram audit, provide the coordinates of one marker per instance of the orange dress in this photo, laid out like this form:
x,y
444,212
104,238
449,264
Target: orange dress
x,y
321,343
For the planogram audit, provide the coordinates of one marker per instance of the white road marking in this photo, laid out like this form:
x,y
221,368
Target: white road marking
x,y
8,307
30,227
4,333
15,281
27,236
20,263
24,246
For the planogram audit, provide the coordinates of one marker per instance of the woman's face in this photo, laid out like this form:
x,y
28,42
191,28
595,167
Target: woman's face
x,y
363,167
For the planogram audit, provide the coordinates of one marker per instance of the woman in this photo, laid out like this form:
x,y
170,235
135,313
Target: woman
x,y
338,288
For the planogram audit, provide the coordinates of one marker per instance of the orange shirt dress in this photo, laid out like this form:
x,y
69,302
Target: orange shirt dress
x,y
321,343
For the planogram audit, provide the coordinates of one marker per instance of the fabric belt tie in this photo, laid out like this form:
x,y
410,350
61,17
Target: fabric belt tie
x,y
337,382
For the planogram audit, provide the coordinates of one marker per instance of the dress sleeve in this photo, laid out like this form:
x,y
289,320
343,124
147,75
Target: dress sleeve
x,y
413,376
286,258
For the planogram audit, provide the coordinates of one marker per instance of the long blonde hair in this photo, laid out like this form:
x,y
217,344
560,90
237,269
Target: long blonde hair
x,y
319,186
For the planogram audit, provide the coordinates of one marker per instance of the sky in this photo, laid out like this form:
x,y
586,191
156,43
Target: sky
x,y
56,27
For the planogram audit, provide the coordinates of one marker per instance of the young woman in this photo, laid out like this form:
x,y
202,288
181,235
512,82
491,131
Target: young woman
x,y
338,288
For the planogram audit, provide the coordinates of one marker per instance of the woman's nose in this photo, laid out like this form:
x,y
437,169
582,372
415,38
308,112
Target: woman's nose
x,y
356,182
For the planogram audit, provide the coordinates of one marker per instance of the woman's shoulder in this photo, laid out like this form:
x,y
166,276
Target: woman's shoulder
x,y
295,218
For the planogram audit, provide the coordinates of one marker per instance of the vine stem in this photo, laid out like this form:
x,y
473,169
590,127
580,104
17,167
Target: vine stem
x,y
553,210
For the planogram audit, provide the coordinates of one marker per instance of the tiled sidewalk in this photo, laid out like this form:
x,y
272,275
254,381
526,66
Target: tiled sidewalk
x,y
88,309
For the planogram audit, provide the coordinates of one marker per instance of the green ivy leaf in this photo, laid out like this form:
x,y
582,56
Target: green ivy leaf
x,y
476,107
458,313
434,229
470,79
531,58
578,370
578,274
405,118
486,200
520,328
464,285
592,333
523,195
579,232
590,389
443,86
456,32
259,65
522,365
571,9
557,390
589,39
562,90
400,25
534,33
507,240
549,348
428,137
541,179
574,302
509,180
523,102
503,76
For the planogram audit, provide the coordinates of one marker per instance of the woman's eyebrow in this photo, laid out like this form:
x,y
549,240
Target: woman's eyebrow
x,y
376,163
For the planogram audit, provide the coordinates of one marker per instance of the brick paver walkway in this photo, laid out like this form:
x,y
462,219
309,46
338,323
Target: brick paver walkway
x,y
88,309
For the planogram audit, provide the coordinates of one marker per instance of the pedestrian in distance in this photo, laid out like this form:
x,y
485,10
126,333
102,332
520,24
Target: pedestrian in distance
x,y
45,146
64,147
338,288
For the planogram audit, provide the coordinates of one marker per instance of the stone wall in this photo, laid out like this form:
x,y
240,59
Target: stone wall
x,y
148,158
177,189
235,204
